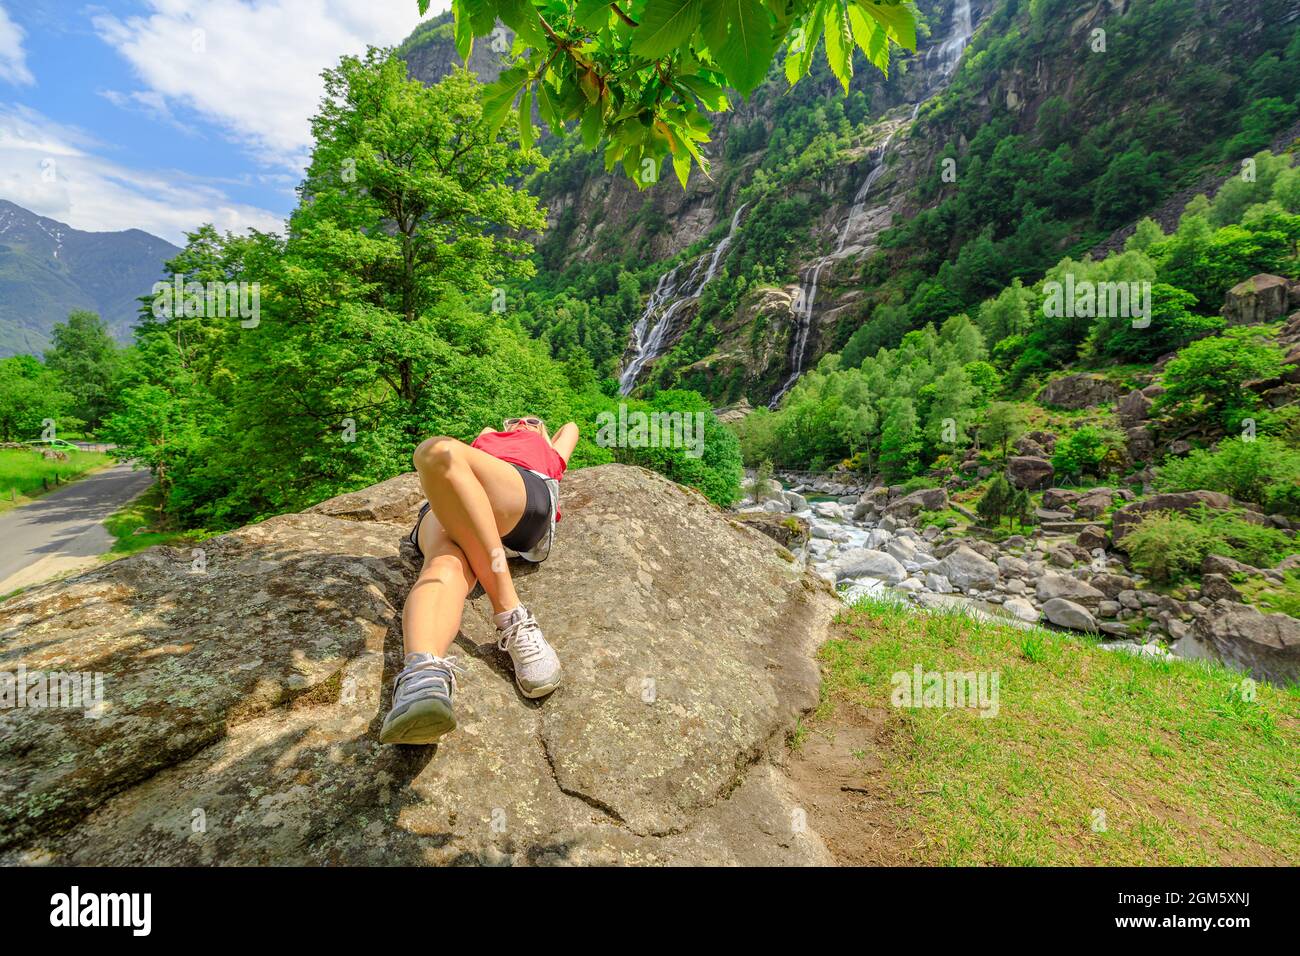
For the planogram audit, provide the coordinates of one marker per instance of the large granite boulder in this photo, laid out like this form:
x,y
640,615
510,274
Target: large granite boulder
x,y
927,499
1025,471
1065,613
1259,299
244,693
1140,444
1052,585
1082,390
1134,408
1265,645
1095,503
967,569
866,563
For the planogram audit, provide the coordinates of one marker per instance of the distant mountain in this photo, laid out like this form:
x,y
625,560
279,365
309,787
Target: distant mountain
x,y
48,269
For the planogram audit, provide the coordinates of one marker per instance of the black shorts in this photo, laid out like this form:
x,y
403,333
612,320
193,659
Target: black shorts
x,y
532,525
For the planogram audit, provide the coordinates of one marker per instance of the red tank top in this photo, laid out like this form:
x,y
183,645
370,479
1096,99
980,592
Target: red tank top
x,y
525,449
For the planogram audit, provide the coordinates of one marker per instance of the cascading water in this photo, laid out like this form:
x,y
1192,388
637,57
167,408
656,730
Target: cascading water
x,y
807,296
944,59
949,51
669,297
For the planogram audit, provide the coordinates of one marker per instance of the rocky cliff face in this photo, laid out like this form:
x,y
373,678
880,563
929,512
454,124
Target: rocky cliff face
x,y
243,695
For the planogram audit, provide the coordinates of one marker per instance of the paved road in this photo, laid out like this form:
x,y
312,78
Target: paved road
x,y
63,530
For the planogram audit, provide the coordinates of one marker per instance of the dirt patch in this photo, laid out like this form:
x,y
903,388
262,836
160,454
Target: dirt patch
x,y
839,778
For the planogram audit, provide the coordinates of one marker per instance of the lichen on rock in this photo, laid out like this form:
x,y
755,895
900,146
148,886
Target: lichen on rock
x,y
243,701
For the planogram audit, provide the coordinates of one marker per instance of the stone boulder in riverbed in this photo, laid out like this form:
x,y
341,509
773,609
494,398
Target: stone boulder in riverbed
x,y
1065,613
790,531
250,696
967,569
865,563
1265,645
1052,585
926,499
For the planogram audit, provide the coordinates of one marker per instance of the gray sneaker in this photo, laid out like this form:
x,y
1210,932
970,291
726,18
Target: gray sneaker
x,y
421,701
537,668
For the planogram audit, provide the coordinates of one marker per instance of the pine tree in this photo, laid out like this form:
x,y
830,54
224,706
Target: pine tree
x,y
998,501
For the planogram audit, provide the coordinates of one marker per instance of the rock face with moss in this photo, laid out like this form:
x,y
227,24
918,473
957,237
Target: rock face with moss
x,y
244,688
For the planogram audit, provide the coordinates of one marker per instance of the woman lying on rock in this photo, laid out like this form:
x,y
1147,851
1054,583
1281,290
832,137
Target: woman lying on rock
x,y
499,495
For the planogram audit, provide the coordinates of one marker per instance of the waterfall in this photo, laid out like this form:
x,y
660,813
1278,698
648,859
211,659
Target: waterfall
x,y
946,56
670,296
949,51
807,296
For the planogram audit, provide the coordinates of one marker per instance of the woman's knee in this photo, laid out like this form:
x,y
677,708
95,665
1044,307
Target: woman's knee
x,y
445,570
436,454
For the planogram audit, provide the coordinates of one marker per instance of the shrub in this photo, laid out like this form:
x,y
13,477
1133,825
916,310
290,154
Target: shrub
x,y
919,483
1169,547
1204,381
1264,471
759,489
1087,449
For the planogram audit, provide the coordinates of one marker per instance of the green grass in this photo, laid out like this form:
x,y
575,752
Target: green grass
x,y
1271,597
1189,764
144,513
25,475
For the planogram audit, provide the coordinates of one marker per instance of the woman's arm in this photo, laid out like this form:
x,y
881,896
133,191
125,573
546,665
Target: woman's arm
x,y
565,440
485,431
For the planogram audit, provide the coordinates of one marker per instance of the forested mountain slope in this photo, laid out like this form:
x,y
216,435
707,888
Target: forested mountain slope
x,y
1019,133
48,269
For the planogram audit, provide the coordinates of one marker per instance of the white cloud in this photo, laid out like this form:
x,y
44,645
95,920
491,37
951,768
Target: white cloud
x,y
55,170
252,67
13,59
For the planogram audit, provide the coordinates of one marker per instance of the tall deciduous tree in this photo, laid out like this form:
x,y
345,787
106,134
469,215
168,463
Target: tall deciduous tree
x,y
87,361
412,212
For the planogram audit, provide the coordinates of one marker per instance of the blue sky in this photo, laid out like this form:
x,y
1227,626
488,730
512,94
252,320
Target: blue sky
x,y
163,114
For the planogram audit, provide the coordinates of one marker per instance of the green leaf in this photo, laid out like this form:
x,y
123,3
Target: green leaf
x,y
592,125
682,167
526,119
749,43
521,16
798,62
665,25
710,94
463,32
871,37
896,19
498,97
839,43
548,108
591,14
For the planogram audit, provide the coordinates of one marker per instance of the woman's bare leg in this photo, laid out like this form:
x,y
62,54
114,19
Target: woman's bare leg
x,y
432,613
476,498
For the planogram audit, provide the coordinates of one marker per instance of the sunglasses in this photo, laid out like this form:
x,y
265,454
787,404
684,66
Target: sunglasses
x,y
512,422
